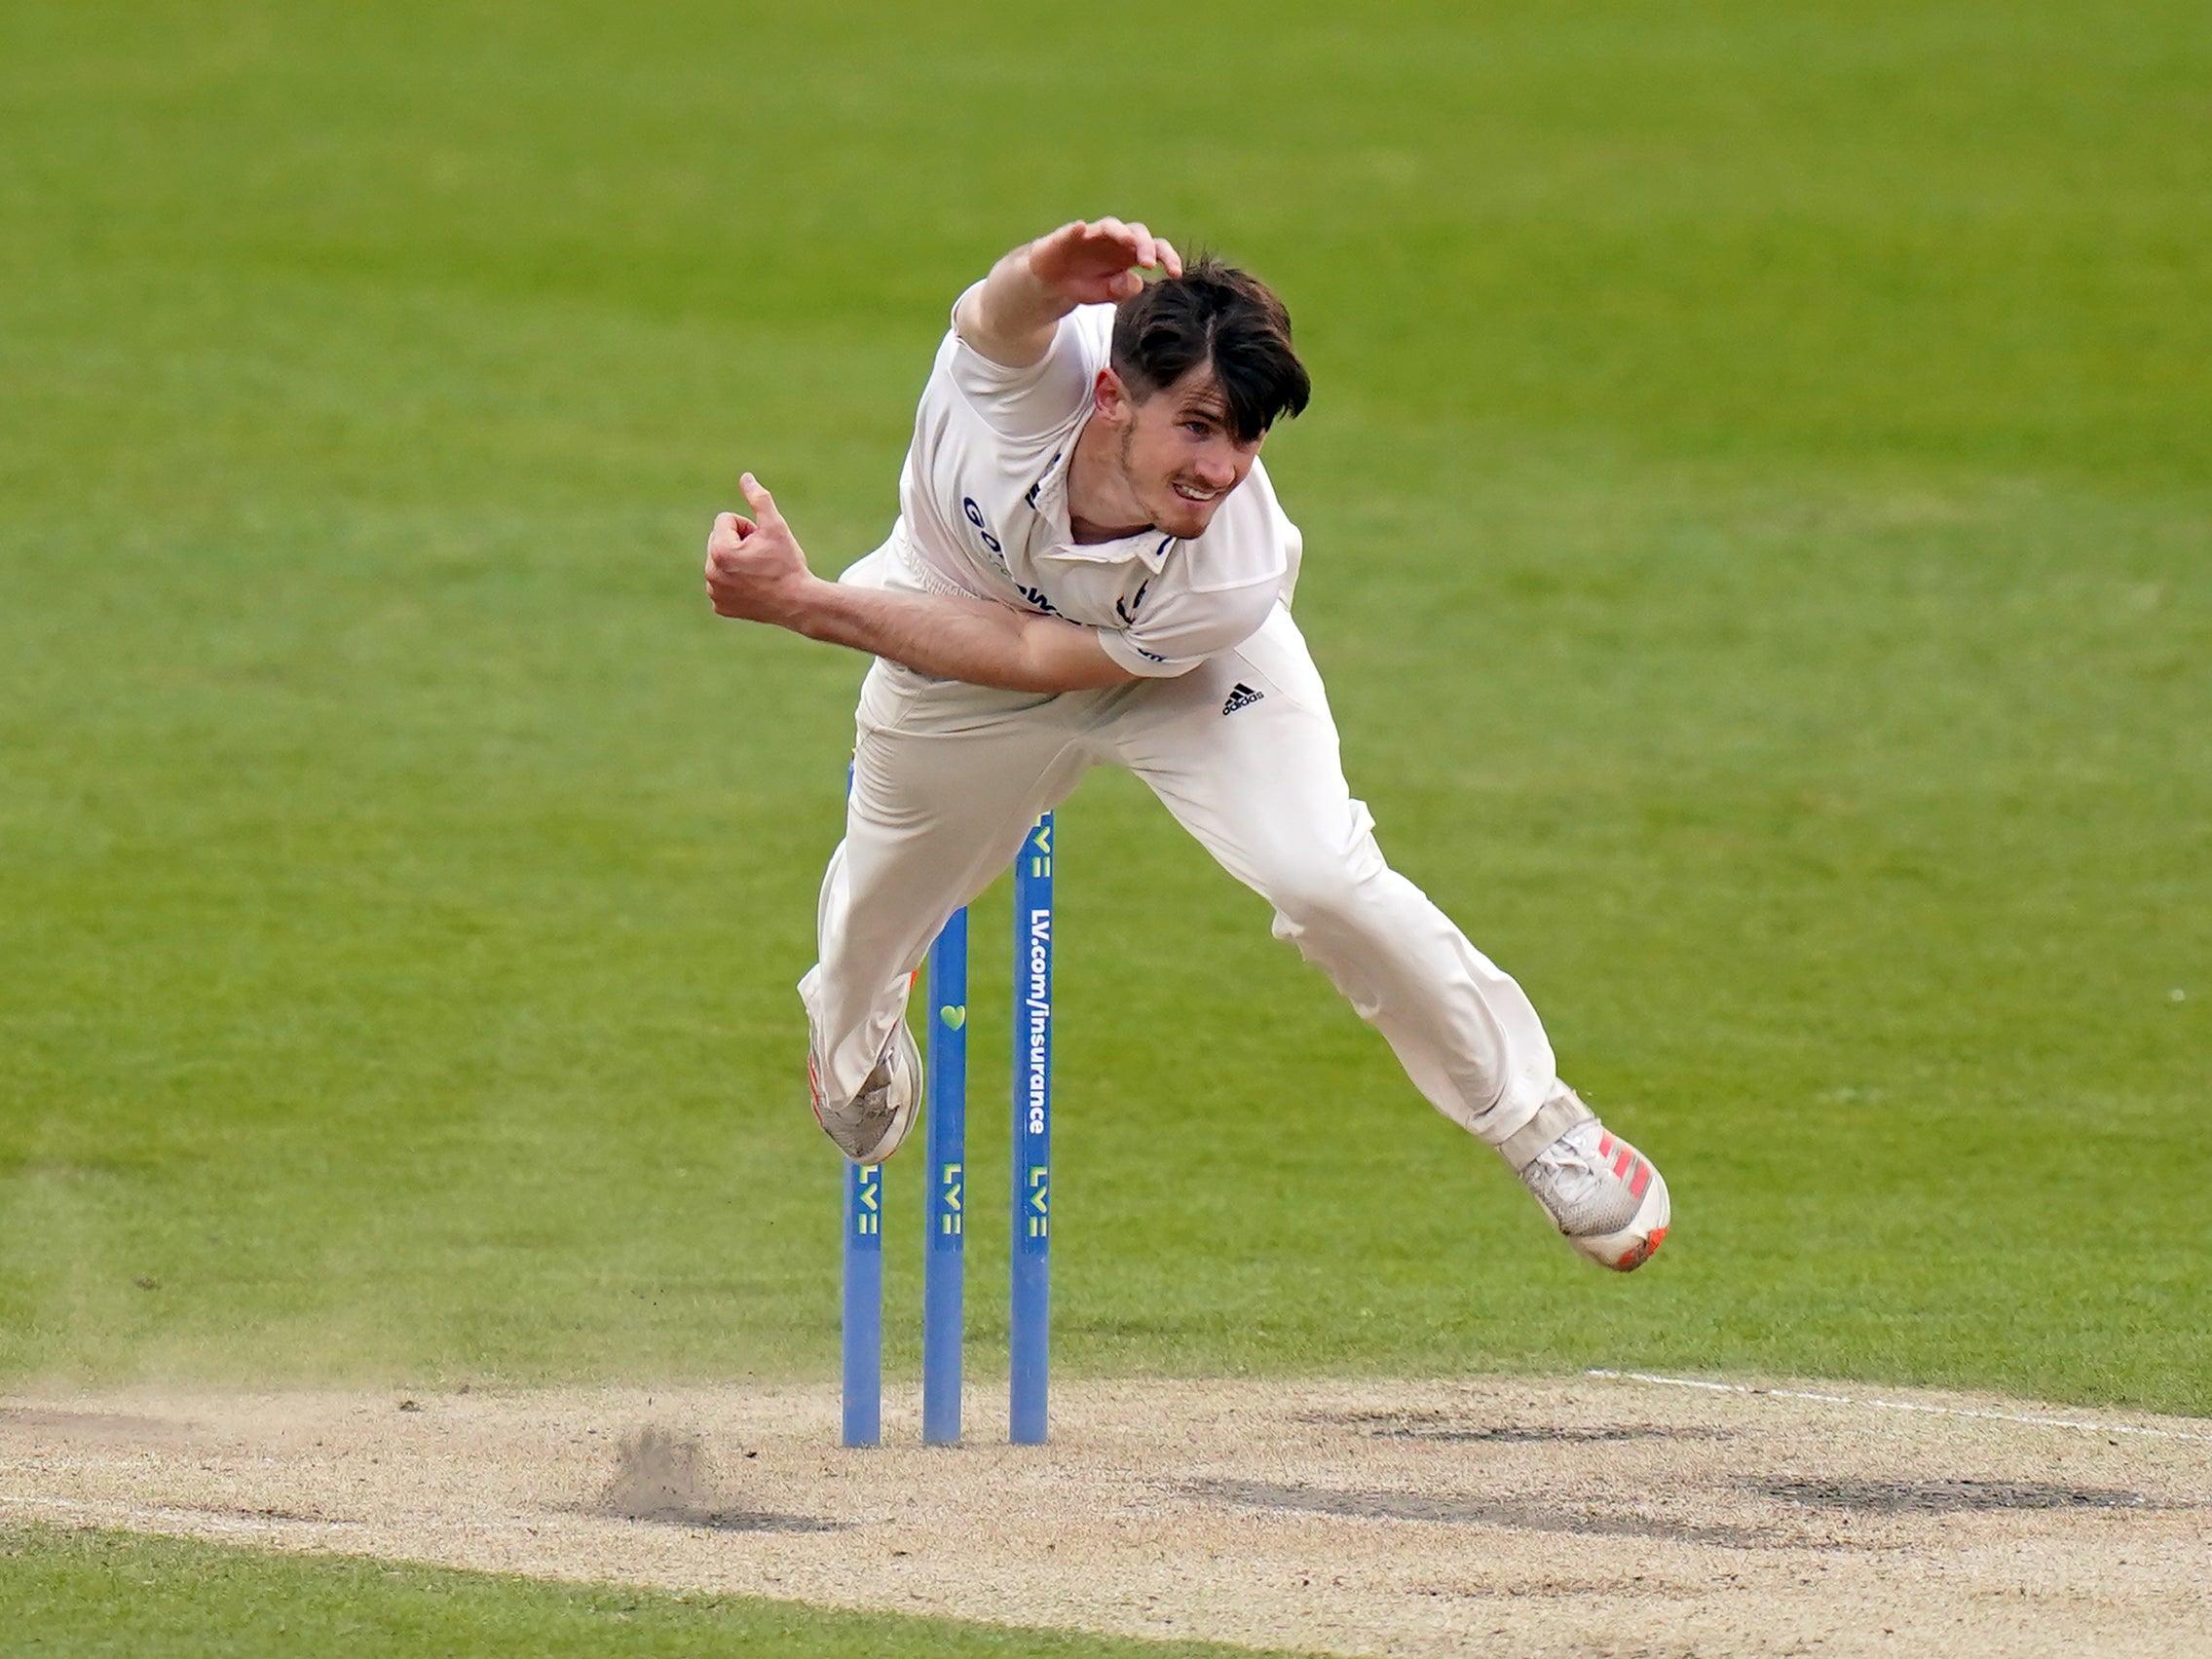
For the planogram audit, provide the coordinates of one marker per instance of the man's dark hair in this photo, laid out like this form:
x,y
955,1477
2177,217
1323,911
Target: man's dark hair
x,y
1218,315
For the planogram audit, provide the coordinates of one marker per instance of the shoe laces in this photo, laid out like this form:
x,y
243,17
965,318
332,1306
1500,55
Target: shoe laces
x,y
1569,1168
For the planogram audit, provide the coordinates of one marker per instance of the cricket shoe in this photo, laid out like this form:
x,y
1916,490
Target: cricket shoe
x,y
1600,1191
869,1126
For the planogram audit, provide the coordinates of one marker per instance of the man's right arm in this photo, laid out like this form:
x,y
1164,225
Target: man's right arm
x,y
1010,316
972,640
756,570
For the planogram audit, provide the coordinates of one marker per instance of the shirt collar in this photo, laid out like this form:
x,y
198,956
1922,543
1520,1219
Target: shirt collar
x,y
1049,497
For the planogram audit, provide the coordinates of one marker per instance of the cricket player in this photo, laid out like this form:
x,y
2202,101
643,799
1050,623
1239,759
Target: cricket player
x,y
1090,566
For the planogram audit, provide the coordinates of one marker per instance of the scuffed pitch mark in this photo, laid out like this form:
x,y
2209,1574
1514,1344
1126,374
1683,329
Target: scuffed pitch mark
x,y
295,1517
664,1476
104,1426
1484,1512
1438,1426
1931,1498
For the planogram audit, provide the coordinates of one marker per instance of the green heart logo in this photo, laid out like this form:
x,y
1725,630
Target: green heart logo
x,y
954,1018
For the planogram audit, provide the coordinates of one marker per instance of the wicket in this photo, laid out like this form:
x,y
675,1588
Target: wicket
x,y
944,1249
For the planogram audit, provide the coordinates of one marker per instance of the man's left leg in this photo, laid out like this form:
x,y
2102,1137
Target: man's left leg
x,y
1243,751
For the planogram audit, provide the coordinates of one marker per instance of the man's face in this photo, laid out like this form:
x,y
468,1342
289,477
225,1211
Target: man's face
x,y
1177,454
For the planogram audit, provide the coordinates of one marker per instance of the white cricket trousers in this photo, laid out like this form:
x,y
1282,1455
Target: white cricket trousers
x,y
948,779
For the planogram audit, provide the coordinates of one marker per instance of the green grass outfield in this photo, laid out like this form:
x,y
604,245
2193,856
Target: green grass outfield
x,y
1759,513
112,1596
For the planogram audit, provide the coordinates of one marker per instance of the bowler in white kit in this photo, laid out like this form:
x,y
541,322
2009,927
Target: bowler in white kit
x,y
1090,566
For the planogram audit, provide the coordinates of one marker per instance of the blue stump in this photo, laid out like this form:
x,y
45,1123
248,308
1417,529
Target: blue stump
x,y
1029,1332
944,1260
863,1305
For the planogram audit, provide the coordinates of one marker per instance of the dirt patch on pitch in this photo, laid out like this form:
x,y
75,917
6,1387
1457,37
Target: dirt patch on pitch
x,y
1572,1518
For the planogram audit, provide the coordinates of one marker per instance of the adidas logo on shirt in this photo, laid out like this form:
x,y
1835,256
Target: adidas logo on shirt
x,y
1242,696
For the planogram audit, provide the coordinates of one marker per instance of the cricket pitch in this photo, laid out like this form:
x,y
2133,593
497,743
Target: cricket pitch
x,y
1595,1515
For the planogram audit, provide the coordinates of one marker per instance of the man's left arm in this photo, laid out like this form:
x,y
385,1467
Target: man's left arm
x,y
1011,316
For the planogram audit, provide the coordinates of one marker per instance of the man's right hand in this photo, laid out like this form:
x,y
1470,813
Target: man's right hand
x,y
1097,262
755,567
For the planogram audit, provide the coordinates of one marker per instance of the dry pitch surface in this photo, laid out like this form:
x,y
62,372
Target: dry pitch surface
x,y
1595,1516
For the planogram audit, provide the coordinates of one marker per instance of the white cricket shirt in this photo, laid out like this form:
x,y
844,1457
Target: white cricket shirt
x,y
983,503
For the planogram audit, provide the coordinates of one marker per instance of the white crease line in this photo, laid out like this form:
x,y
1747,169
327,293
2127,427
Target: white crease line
x,y
1895,1404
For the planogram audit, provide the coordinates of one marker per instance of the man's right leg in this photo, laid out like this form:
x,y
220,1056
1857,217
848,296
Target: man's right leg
x,y
946,780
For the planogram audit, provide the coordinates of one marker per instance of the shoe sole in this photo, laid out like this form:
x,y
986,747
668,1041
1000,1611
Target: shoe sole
x,y
901,1121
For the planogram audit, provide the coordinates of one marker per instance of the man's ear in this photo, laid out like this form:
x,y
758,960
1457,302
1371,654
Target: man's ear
x,y
1110,398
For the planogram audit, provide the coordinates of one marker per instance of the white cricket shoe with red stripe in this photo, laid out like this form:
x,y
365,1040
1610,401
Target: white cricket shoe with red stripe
x,y
1603,1194
869,1127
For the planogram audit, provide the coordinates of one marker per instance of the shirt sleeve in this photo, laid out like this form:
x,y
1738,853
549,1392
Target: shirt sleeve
x,y
1185,628
1043,398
